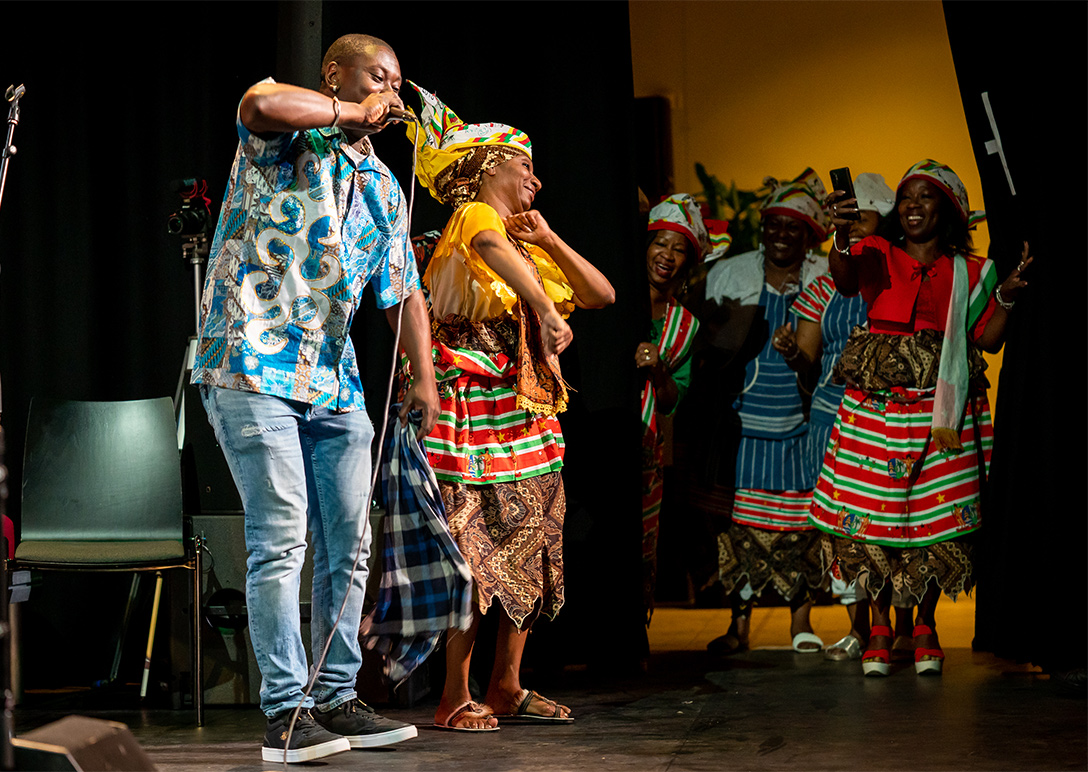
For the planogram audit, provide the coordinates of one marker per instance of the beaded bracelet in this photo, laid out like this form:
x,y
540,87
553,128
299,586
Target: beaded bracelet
x,y
1006,304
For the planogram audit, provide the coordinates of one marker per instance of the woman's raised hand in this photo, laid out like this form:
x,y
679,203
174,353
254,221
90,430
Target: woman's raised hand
x,y
646,355
838,205
530,227
785,342
1010,288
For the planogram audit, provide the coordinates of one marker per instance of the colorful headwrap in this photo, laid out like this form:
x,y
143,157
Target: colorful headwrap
x,y
680,213
803,198
873,193
718,234
945,179
453,155
964,308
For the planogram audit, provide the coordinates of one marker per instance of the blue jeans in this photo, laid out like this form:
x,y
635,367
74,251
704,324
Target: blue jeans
x,y
299,468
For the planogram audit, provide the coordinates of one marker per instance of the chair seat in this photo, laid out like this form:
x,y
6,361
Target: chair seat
x,y
91,553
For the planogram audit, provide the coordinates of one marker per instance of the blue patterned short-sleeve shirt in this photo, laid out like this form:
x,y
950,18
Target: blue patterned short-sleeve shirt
x,y
306,223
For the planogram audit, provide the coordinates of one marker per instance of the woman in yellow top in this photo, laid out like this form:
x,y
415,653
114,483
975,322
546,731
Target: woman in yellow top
x,y
501,283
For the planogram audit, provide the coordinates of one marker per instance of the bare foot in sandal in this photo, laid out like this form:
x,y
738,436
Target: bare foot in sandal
x,y
528,706
469,717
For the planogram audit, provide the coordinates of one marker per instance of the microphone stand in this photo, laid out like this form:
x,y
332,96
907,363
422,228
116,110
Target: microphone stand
x,y
7,698
13,95
194,250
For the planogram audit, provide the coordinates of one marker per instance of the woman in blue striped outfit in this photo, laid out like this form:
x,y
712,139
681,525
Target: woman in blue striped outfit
x,y
768,541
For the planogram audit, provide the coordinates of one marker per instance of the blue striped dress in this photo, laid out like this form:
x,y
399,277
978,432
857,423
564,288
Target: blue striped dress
x,y
772,482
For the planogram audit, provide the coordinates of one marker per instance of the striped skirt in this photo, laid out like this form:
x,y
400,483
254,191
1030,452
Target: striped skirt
x,y
883,482
482,436
816,441
772,510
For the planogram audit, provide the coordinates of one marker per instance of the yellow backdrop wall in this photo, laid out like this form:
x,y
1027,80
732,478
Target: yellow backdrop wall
x,y
772,87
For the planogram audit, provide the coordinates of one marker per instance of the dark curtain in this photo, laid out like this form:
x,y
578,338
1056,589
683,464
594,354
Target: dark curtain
x,y
1030,59
562,73
96,301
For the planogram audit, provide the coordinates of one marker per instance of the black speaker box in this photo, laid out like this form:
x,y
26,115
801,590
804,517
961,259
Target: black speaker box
x,y
79,743
207,484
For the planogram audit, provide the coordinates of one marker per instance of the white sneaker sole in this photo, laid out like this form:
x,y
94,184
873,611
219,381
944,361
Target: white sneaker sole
x,y
384,738
298,755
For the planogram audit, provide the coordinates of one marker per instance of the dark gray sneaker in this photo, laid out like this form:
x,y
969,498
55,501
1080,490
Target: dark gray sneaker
x,y
309,741
363,728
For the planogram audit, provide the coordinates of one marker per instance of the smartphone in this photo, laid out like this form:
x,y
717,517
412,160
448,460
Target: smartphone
x,y
841,180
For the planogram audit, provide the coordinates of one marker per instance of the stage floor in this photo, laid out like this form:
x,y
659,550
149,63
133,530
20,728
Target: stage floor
x,y
766,709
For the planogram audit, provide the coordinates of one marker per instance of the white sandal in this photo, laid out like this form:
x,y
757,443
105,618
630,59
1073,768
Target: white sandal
x,y
848,647
807,638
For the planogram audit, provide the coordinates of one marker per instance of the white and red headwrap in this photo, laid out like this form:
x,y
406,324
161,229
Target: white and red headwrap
x,y
680,213
803,199
944,178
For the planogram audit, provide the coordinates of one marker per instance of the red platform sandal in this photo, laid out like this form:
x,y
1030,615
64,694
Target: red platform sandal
x,y
927,661
876,662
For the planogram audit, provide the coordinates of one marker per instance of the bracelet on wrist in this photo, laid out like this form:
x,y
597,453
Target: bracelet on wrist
x,y
1006,304
843,250
335,112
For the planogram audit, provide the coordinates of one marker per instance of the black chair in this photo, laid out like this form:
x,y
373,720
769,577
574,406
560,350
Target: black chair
x,y
101,491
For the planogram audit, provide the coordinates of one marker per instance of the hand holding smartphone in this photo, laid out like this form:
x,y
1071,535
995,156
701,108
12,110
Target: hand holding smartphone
x,y
841,180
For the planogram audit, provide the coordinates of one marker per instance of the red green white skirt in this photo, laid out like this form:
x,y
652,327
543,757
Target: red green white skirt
x,y
883,482
483,437
772,510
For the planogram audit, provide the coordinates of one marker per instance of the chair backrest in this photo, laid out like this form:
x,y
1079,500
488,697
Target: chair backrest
x,y
101,471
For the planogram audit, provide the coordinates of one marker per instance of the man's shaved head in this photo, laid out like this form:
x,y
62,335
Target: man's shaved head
x,y
348,47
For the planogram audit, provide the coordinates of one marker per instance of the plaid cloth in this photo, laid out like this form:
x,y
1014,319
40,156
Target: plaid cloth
x,y
426,585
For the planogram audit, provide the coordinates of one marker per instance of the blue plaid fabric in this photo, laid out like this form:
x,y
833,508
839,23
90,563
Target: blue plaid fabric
x,y
426,585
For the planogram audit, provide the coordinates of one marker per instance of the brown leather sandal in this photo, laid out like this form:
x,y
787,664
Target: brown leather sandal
x,y
478,711
522,714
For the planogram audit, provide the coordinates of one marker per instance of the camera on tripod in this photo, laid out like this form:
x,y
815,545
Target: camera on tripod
x,y
194,218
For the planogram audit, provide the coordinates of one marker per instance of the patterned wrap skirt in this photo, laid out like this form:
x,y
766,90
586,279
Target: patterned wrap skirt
x,y
511,535
788,561
909,571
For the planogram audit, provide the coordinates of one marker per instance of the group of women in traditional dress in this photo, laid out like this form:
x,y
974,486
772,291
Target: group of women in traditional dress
x,y
849,445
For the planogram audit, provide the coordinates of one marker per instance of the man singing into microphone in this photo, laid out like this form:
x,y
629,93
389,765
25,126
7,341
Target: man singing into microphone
x,y
309,217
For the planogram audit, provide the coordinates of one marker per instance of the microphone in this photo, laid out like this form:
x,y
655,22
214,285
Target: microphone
x,y
396,114
14,92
